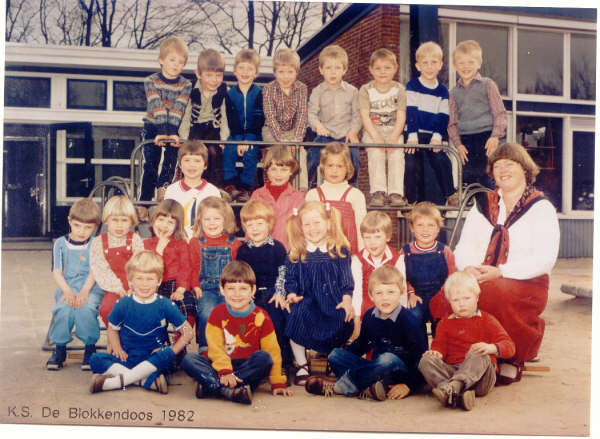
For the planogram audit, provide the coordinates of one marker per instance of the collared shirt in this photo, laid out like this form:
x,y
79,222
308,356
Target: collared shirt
x,y
337,109
454,316
392,316
285,112
267,241
310,247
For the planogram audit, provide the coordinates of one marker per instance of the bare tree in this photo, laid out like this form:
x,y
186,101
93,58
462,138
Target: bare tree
x,y
19,18
328,10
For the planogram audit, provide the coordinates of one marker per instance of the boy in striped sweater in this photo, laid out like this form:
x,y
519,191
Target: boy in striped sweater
x,y
427,123
167,94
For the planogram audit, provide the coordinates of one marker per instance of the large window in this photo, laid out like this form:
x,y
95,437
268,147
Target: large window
x,y
494,45
443,34
540,62
583,67
86,94
583,170
26,91
129,96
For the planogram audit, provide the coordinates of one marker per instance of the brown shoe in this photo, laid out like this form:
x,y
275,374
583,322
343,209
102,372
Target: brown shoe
x,y
225,196
160,193
443,393
453,199
377,199
98,381
160,384
232,191
240,394
375,391
142,214
397,200
243,197
467,400
318,385
300,380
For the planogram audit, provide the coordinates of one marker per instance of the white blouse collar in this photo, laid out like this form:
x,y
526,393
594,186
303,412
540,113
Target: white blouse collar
x,y
310,247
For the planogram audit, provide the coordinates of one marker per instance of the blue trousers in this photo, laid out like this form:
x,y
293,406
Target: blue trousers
x,y
249,162
150,179
85,320
356,373
313,158
251,370
475,170
209,300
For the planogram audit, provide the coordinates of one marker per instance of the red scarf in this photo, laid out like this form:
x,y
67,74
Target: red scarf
x,y
497,251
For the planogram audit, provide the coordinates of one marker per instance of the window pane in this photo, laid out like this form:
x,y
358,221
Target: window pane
x,y
443,30
583,171
76,147
542,138
540,63
583,67
26,92
494,45
115,170
117,148
80,180
86,94
129,96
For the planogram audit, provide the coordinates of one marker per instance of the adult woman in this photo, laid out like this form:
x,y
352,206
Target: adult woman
x,y
510,243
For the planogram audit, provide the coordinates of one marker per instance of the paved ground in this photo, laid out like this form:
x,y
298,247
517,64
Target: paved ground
x,y
551,403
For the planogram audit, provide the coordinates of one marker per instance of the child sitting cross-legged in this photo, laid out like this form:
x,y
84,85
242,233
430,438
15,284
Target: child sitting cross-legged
x,y
242,345
392,333
138,332
461,363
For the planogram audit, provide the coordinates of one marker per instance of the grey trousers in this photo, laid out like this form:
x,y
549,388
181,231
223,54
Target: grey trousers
x,y
477,372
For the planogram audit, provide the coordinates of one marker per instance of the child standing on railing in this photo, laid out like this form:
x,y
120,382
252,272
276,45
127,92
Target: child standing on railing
x,y
167,94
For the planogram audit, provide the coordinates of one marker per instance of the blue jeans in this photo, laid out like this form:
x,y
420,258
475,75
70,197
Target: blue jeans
x,y
249,162
251,370
209,300
356,373
313,158
150,179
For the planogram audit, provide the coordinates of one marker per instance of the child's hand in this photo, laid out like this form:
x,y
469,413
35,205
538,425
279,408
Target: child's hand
x,y
229,380
198,292
159,139
352,137
120,354
435,142
175,139
69,298
491,145
81,298
283,391
241,149
411,150
346,305
398,391
279,300
413,299
433,353
482,348
356,330
178,294
291,299
222,146
321,130
463,152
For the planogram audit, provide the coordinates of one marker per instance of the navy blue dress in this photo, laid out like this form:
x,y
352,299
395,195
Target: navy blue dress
x,y
322,280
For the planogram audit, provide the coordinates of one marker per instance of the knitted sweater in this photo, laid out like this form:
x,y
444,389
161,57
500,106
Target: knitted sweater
x,y
166,103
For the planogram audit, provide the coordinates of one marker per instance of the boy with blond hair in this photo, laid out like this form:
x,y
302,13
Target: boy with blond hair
x,y
167,95
77,296
137,330
382,103
285,106
461,363
246,119
205,116
391,333
427,123
477,114
333,112
242,346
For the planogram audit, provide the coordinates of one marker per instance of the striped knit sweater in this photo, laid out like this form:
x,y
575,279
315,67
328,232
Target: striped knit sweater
x,y
426,109
166,102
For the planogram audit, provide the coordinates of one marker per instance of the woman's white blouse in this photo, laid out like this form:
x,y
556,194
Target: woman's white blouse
x,y
533,241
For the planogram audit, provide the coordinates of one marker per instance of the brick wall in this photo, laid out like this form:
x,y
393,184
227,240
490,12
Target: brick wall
x,y
381,28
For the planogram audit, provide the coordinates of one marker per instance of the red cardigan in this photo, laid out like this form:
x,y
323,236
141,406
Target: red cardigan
x,y
454,336
176,257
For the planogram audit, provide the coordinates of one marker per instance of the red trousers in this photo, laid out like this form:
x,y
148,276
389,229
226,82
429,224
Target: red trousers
x,y
107,304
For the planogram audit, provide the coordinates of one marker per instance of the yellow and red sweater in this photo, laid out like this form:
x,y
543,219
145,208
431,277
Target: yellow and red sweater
x,y
235,336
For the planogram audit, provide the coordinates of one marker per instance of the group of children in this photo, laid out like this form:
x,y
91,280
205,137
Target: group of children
x,y
313,272
472,116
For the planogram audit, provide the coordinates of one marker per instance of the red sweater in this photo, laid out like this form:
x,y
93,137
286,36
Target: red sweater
x,y
454,336
176,257
196,254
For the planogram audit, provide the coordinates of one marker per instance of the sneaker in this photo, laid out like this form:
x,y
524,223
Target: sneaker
x,y
377,199
232,191
199,390
160,384
240,394
57,358
397,200
375,391
243,196
318,385
90,349
467,400
453,199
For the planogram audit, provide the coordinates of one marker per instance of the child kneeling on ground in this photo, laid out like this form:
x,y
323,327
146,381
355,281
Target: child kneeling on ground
x,y
461,363
242,345
392,333
138,334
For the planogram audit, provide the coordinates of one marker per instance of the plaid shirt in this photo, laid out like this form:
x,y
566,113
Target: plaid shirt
x,y
286,112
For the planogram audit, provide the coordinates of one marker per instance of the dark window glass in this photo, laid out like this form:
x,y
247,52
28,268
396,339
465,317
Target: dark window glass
x,y
583,170
494,46
76,147
22,91
115,170
583,67
540,63
129,96
443,32
80,180
117,148
86,94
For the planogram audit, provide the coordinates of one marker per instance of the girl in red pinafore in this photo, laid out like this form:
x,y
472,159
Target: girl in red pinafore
x,y
110,251
168,241
336,169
